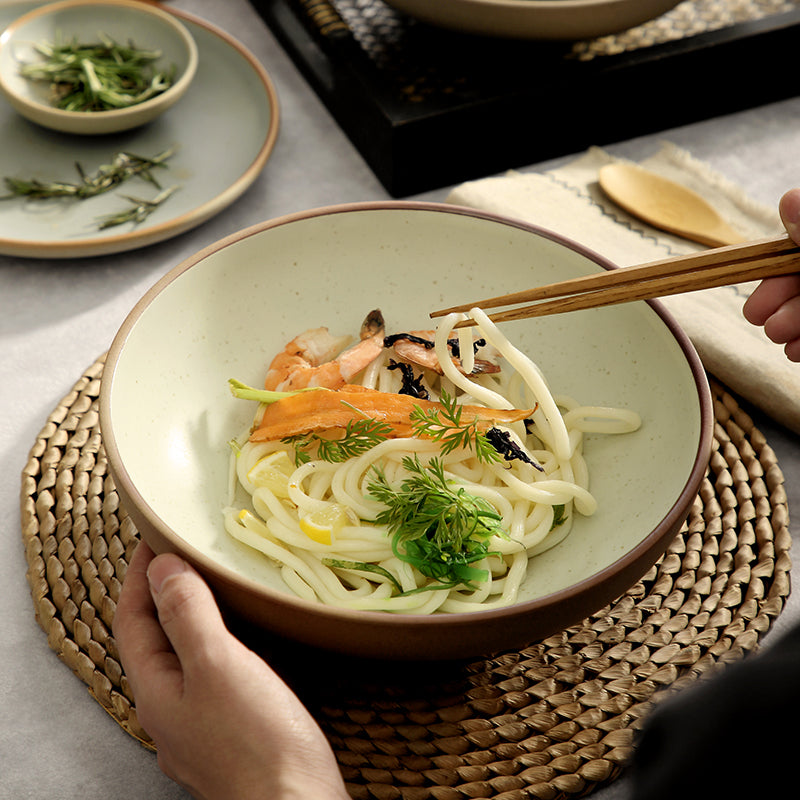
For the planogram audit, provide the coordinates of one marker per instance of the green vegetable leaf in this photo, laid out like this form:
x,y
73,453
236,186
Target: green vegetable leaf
x,y
363,566
559,516
245,392
97,76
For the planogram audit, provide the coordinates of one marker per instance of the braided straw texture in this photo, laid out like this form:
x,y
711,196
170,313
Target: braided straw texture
x,y
554,720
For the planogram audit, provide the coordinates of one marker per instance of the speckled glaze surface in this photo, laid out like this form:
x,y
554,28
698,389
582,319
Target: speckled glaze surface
x,y
536,19
147,27
167,414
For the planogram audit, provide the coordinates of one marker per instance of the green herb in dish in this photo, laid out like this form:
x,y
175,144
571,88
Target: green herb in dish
x,y
266,396
98,76
363,566
123,167
436,526
359,436
108,176
138,212
445,426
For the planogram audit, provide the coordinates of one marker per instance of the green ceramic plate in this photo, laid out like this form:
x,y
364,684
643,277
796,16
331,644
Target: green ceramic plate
x,y
212,170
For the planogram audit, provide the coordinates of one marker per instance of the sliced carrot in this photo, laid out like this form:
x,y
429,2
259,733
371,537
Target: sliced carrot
x,y
315,411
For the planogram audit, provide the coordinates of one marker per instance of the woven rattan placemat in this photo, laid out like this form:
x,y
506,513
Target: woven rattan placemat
x,y
554,720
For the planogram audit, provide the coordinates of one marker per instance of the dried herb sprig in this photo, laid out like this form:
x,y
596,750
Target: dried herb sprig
x,y
138,212
123,167
98,76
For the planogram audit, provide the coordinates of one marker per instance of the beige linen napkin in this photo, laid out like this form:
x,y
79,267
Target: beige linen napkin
x,y
568,201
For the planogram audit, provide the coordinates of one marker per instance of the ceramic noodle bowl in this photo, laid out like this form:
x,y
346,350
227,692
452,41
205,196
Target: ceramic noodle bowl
x,y
167,414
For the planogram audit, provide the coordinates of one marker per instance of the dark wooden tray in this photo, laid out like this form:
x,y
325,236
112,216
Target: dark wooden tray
x,y
428,108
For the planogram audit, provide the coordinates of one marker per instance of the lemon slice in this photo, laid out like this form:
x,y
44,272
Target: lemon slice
x,y
272,472
323,524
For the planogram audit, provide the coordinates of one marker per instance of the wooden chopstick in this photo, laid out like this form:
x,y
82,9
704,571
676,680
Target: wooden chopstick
x,y
722,266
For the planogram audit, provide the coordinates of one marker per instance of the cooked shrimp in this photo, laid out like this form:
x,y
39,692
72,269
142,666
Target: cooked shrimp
x,y
416,347
316,357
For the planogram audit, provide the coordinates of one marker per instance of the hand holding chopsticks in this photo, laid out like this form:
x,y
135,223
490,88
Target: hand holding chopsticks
x,y
722,266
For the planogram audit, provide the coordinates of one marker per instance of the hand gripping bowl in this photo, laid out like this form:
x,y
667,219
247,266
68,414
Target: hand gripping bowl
x,y
146,26
167,414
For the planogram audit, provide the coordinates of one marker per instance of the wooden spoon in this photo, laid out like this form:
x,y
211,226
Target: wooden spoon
x,y
666,205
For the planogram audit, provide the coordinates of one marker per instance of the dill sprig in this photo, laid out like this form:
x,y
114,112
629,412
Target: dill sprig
x,y
98,76
122,167
446,427
436,526
359,436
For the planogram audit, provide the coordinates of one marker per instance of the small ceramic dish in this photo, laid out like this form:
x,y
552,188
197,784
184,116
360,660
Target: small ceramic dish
x,y
123,21
167,421
536,19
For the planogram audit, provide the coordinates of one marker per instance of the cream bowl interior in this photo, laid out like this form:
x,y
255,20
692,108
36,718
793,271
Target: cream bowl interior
x,y
567,20
146,26
167,414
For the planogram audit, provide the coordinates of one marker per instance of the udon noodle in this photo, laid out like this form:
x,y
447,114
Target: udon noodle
x,y
316,518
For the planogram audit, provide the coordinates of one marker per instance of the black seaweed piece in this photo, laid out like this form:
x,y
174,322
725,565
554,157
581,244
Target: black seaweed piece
x,y
509,449
412,385
429,344
389,341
